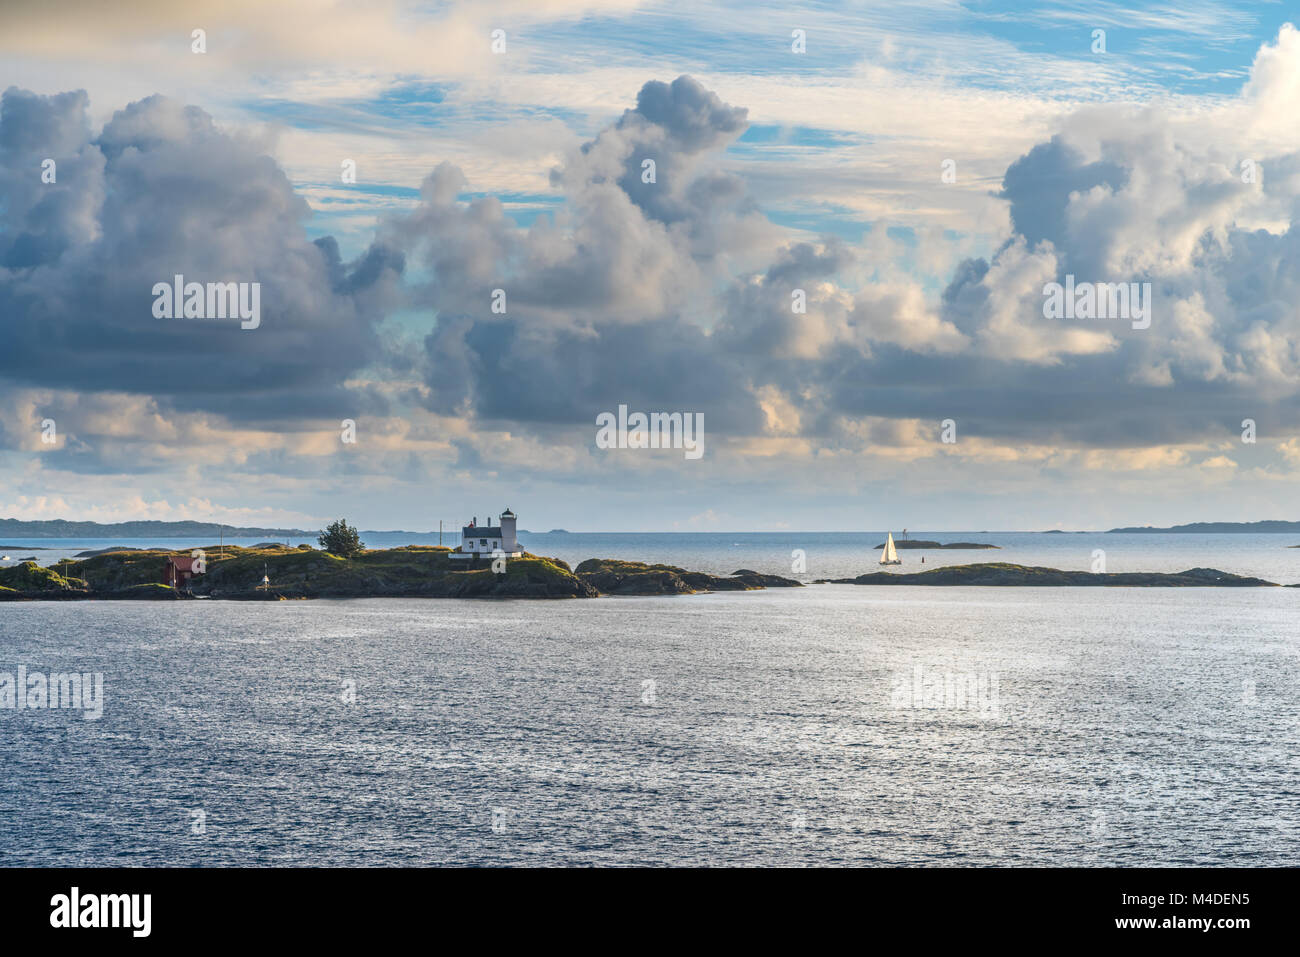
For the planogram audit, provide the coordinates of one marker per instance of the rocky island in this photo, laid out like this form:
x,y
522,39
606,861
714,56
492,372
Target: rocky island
x,y
1003,573
612,577
901,544
413,571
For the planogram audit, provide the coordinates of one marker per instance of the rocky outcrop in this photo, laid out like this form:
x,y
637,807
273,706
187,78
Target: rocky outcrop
x,y
1002,573
757,580
613,577
31,582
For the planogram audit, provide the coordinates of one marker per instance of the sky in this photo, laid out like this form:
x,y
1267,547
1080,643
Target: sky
x,y
839,259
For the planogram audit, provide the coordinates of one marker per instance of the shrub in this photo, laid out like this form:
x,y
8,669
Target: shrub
x,y
341,539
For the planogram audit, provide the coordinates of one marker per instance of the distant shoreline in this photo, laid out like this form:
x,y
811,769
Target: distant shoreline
x,y
73,531
1216,528
59,528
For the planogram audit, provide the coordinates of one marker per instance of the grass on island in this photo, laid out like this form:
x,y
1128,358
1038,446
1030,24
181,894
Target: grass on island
x,y
31,577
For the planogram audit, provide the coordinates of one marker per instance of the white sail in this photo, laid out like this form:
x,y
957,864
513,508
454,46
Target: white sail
x,y
890,556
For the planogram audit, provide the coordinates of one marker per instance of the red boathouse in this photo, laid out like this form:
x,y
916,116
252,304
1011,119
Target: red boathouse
x,y
179,570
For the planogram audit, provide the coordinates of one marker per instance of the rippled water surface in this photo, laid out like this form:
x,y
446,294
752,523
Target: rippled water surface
x,y
1130,726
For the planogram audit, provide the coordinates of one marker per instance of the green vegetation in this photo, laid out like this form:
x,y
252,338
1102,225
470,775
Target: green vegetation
x,y
31,577
341,539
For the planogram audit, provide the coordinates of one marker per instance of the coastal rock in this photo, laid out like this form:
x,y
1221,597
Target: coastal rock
x,y
613,577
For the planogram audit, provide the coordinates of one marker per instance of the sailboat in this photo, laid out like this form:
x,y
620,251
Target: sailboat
x,y
890,555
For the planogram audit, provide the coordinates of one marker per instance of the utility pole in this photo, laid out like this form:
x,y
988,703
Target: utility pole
x,y
440,533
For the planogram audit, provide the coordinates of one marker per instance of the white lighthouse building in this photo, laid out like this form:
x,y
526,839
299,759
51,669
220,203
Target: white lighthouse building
x,y
486,540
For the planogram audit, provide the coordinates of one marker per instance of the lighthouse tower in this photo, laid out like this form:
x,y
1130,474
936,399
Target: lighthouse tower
x,y
509,542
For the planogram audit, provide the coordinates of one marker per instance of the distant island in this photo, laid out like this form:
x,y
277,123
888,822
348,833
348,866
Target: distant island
x,y
1217,527
1004,573
59,528
922,543
194,531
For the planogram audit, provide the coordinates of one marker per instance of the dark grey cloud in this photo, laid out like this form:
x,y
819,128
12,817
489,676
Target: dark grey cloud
x,y
674,125
162,191
511,371
694,118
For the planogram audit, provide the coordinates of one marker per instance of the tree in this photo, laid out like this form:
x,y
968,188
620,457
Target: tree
x,y
341,539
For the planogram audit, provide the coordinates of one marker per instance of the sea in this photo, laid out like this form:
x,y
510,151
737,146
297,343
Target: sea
x,y
823,725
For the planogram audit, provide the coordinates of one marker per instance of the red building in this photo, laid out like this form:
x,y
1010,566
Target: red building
x,y
179,571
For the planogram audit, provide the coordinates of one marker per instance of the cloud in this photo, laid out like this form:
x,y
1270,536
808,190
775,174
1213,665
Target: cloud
x,y
162,191
606,304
